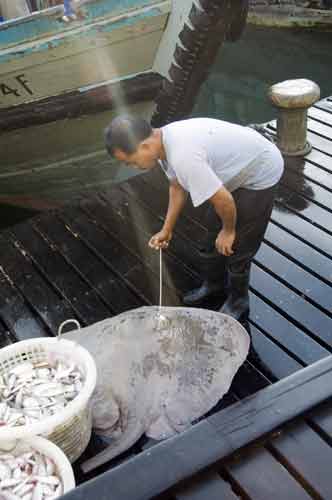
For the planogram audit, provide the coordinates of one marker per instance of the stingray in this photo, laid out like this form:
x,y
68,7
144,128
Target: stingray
x,y
156,380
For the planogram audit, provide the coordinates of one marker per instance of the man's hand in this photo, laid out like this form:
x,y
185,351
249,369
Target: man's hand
x,y
161,239
224,242
225,207
177,199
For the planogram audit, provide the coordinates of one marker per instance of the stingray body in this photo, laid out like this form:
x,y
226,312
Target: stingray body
x,y
157,380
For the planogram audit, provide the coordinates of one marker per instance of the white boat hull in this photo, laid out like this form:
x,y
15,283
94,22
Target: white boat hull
x,y
88,54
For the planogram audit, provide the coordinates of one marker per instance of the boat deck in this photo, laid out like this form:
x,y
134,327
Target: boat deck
x,y
91,260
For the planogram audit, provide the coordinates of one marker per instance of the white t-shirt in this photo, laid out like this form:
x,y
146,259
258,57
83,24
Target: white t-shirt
x,y
204,154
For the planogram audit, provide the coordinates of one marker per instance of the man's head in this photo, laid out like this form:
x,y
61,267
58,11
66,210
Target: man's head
x,y
132,140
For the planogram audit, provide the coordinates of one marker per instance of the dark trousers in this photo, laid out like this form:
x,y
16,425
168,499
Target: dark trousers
x,y
253,214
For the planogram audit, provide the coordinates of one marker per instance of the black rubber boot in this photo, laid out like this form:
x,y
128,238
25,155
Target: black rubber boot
x,y
237,303
213,268
199,295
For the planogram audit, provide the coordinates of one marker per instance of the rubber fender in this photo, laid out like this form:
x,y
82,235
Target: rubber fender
x,y
178,74
239,23
189,37
211,6
200,19
183,57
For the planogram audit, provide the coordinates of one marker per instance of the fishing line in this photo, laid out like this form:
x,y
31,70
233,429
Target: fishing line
x,y
160,277
162,321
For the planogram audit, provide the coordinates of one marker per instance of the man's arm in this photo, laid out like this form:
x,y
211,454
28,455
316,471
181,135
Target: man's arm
x,y
177,199
176,202
224,205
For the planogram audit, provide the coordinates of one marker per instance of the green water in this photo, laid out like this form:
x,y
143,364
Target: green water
x,y
236,90
243,72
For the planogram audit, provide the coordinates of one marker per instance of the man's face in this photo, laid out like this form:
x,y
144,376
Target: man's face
x,y
144,158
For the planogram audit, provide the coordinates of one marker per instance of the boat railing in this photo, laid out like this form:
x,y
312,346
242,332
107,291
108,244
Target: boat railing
x,y
51,21
64,8
57,10
44,8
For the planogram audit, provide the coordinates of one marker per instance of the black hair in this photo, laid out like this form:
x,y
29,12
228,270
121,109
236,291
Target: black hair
x,y
126,133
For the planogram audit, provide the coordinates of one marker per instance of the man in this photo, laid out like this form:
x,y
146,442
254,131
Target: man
x,y
233,167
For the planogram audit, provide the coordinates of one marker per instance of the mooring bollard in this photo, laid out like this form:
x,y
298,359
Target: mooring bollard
x,y
293,98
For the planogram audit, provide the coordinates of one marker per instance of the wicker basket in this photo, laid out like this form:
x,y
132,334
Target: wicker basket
x,y
63,468
71,428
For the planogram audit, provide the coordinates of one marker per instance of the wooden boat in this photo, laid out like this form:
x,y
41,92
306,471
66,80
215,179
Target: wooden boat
x,y
42,56
116,54
48,66
47,61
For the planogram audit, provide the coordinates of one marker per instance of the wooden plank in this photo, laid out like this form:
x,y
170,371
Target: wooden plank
x,y
319,128
83,300
299,252
318,142
115,256
296,225
320,115
317,324
305,254
16,314
324,241
281,363
248,381
323,417
157,202
106,284
39,293
86,229
296,277
5,337
318,175
302,451
318,216
316,156
300,183
254,382
276,359
206,486
158,181
214,438
309,253
127,202
124,222
259,476
320,159
325,105
318,213
290,337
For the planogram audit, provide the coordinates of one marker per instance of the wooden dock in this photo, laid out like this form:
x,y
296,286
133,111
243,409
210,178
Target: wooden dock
x,y
91,260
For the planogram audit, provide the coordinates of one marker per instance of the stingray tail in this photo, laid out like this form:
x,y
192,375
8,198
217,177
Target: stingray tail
x,y
113,450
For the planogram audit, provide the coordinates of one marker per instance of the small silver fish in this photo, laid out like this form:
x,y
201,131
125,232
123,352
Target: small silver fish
x,y
21,480
32,392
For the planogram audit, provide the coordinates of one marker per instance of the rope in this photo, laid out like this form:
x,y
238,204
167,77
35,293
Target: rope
x,y
162,321
160,277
